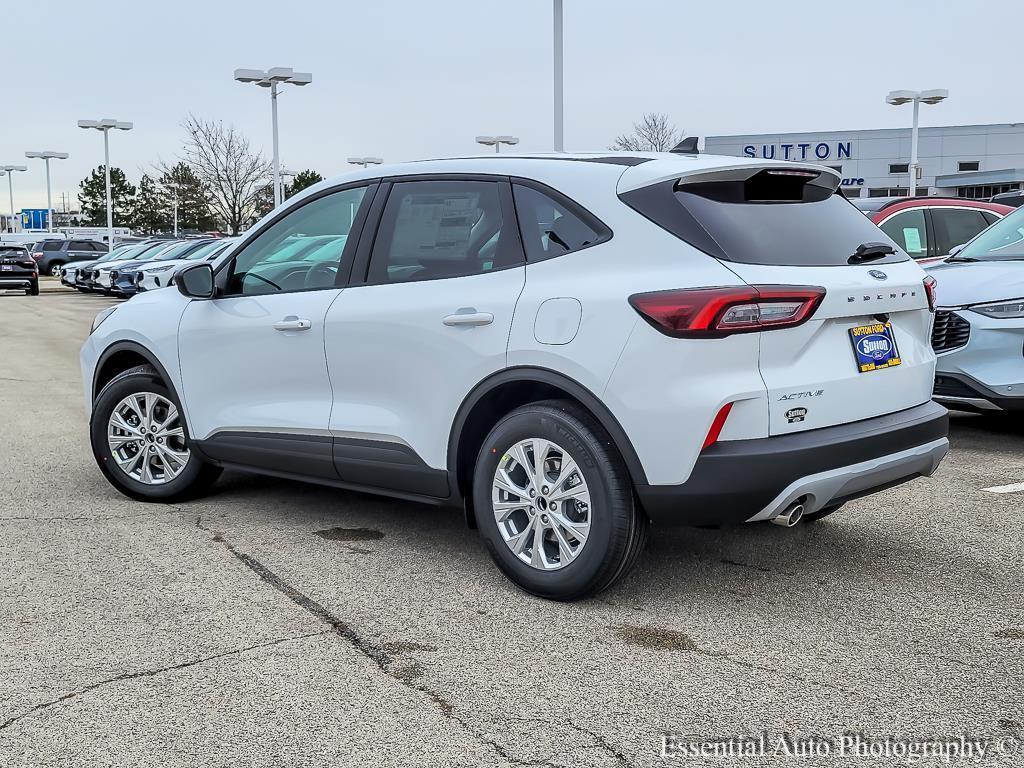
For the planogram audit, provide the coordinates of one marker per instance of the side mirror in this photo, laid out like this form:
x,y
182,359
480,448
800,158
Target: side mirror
x,y
196,281
956,249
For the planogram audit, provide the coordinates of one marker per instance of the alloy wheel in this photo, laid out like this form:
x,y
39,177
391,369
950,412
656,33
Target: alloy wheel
x,y
541,504
147,438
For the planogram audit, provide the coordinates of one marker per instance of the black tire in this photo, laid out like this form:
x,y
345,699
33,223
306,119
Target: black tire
x,y
618,527
194,480
33,290
812,517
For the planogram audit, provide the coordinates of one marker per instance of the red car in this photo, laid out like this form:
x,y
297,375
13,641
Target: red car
x,y
928,228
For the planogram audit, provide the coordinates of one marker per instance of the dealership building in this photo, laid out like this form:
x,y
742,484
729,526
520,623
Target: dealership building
x,y
971,161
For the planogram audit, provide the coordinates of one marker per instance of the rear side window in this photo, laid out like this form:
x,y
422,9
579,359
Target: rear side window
x,y
432,230
909,231
552,227
52,245
772,218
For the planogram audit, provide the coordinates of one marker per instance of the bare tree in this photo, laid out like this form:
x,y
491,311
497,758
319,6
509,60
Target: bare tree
x,y
232,172
652,134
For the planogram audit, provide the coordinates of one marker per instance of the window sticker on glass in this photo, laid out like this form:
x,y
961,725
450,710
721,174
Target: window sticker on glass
x,y
436,223
912,237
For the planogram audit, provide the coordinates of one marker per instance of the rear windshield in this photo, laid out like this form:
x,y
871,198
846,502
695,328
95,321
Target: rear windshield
x,y
763,220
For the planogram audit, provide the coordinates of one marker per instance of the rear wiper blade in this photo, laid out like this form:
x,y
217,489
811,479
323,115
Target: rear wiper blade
x,y
870,252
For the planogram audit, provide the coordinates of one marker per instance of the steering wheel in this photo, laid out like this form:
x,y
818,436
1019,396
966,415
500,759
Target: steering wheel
x,y
321,275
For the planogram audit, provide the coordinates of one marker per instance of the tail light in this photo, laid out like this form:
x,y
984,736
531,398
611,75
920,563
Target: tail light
x,y
712,313
929,289
37,257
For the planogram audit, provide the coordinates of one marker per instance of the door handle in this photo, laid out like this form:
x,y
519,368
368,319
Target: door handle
x,y
293,323
469,318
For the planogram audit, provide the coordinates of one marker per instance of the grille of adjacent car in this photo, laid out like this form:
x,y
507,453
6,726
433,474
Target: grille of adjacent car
x,y
950,331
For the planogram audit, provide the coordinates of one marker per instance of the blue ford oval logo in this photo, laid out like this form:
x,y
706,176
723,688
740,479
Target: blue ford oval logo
x,y
875,345
878,274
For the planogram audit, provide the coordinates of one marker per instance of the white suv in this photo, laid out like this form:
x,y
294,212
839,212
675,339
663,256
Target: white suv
x,y
568,347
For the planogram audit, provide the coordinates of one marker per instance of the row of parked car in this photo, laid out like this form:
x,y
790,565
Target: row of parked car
x,y
133,267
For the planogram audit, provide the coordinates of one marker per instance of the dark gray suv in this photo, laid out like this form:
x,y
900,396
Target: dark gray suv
x,y
51,255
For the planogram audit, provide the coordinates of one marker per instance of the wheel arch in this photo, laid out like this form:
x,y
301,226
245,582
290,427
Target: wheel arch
x,y
511,388
122,356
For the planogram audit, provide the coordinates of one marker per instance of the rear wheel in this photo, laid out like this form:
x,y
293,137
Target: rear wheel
x,y
554,502
33,290
141,442
55,269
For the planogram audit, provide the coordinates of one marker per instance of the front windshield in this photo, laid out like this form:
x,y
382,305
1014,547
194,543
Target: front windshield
x,y
1003,241
174,252
205,250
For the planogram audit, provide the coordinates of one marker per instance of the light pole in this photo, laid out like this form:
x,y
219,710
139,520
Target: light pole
x,y
47,157
497,141
271,79
896,98
173,187
105,125
556,27
365,161
9,170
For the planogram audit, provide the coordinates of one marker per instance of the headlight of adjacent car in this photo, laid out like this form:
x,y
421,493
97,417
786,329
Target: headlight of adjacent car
x,y
98,320
160,269
1004,310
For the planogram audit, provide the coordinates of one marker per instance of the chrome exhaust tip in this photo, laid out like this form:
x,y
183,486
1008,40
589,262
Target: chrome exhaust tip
x,y
791,515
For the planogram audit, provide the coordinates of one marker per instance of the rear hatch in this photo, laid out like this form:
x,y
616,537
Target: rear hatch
x,y
865,351
16,262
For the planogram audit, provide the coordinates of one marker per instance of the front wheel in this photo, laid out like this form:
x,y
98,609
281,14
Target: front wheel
x,y
554,502
141,442
55,270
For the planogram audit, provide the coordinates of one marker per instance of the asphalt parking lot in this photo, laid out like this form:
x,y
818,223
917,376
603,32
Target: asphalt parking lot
x,y
275,623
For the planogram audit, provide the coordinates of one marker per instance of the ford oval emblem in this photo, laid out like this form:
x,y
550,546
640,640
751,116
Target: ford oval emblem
x,y
878,274
875,346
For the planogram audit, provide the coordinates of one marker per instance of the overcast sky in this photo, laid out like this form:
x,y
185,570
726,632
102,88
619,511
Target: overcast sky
x,y
405,79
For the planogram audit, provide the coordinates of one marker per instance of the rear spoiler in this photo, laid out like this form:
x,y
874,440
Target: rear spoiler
x,y
689,169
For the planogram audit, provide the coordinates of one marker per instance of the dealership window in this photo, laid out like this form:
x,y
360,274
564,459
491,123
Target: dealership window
x,y
890,192
984,191
968,165
899,167
851,191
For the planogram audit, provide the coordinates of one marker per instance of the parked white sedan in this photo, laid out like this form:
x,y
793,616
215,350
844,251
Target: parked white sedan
x,y
159,275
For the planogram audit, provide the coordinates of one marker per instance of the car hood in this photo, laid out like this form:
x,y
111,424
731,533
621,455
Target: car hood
x,y
165,264
109,265
961,283
76,265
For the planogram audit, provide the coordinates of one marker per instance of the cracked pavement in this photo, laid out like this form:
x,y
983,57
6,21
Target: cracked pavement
x,y
275,623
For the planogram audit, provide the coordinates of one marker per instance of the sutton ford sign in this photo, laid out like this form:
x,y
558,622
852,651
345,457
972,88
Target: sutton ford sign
x,y
821,150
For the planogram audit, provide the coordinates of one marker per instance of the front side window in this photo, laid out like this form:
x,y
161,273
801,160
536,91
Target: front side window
x,y
275,262
909,231
549,228
431,230
955,226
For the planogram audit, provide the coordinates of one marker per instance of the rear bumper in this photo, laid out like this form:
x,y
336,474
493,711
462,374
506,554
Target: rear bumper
x,y
749,480
8,280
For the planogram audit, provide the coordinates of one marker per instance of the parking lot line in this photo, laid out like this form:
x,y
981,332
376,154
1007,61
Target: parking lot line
x,y
1013,488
